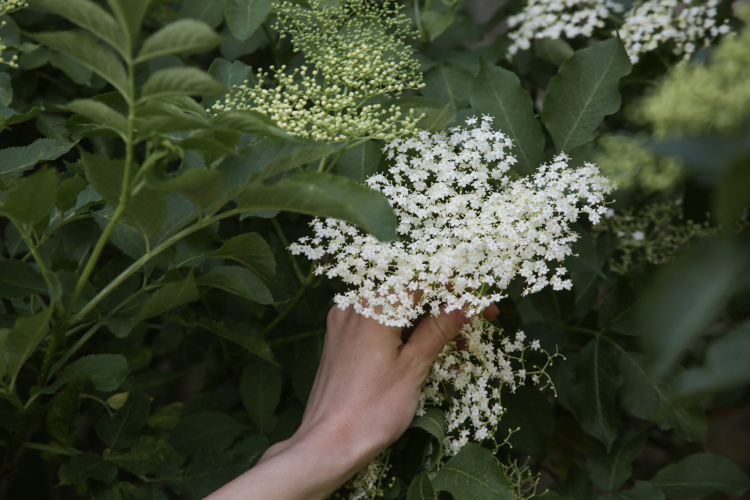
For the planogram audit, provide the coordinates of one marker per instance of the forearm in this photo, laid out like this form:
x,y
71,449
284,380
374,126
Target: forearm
x,y
307,467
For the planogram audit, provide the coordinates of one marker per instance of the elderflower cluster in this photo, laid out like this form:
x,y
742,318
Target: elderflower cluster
x,y
653,234
6,7
355,59
368,482
684,24
477,367
464,227
697,98
628,163
558,19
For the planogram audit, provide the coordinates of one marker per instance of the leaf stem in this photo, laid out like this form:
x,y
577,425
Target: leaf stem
x,y
291,306
284,241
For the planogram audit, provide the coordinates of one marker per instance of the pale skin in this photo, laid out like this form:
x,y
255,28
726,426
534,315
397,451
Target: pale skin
x,y
363,398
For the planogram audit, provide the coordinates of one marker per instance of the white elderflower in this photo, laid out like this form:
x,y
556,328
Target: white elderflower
x,y
355,58
686,25
466,230
6,7
558,19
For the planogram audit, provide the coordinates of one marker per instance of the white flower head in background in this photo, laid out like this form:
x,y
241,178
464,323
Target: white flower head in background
x,y
466,228
685,25
558,19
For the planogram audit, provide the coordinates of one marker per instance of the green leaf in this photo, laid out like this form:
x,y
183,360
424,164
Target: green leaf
x,y
205,473
18,280
104,175
6,90
245,16
250,250
14,161
145,456
63,412
686,297
22,340
448,84
528,411
30,201
90,53
474,474
129,14
434,114
435,23
239,281
433,421
583,92
497,92
106,372
66,197
169,296
101,114
241,333
181,36
205,430
610,470
699,475
180,81
90,16
326,195
651,399
360,162
201,186
86,466
260,389
118,432
554,50
248,122
146,212
230,73
641,491
421,488
725,365
597,381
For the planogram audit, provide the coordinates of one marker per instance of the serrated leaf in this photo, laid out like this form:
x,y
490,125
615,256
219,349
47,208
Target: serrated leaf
x,y
433,422
181,36
360,162
105,372
6,90
245,16
170,296
260,389
62,414
205,473
205,430
421,488
104,175
596,388
242,334
145,456
435,23
700,475
498,93
252,251
90,16
610,470
641,491
583,92
15,118
201,186
448,84
474,474
326,195
90,53
230,73
248,122
434,114
652,399
30,201
129,14
101,114
86,466
237,280
18,280
16,160
180,81
119,431
66,197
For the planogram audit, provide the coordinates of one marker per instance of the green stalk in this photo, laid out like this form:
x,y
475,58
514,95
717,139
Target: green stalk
x,y
290,307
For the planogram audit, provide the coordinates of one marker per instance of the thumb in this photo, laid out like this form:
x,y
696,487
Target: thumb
x,y
434,332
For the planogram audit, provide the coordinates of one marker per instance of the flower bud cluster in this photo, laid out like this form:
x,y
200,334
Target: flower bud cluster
x,y
357,58
6,7
685,25
464,227
477,367
558,19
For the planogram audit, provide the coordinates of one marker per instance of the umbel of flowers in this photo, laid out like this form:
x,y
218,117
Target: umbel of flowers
x,y
356,58
6,7
466,229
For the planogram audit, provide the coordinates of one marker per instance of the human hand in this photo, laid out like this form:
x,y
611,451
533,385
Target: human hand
x,y
364,397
